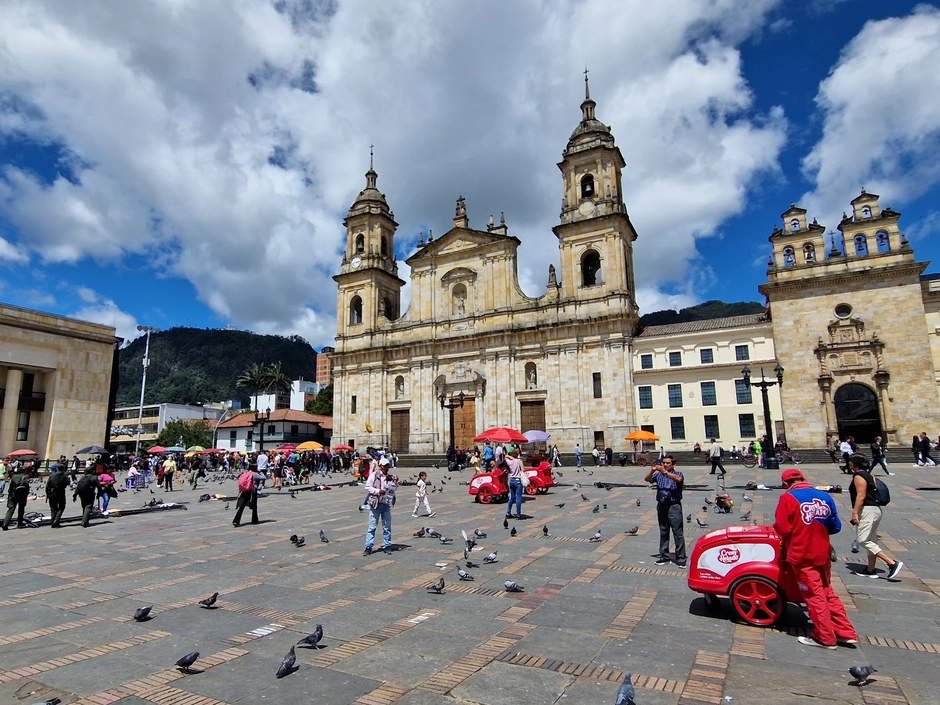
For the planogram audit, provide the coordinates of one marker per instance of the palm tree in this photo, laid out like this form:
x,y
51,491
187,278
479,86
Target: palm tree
x,y
277,378
256,378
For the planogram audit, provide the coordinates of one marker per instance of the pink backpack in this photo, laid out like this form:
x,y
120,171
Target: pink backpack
x,y
246,481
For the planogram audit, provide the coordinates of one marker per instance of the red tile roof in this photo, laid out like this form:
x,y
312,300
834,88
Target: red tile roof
x,y
248,419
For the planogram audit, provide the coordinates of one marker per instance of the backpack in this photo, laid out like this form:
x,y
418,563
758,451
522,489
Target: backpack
x,y
246,481
882,493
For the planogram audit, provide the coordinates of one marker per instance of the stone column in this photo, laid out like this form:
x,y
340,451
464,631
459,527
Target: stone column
x,y
832,424
9,419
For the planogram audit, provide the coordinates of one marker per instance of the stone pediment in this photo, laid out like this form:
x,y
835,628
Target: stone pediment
x,y
461,240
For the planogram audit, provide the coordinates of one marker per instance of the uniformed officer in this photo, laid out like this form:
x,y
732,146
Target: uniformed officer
x,y
55,493
17,494
87,489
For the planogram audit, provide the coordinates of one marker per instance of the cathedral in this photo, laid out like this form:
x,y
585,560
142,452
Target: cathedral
x,y
855,330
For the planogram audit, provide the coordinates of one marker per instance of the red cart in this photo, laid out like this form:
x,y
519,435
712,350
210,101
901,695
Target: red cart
x,y
743,563
493,486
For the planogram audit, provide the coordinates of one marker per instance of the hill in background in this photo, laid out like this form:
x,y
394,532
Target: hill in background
x,y
701,312
199,365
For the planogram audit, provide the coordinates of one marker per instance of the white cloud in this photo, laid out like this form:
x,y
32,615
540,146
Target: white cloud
x,y
86,294
172,142
12,253
107,313
881,125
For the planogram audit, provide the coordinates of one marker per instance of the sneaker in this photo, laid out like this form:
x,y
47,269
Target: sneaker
x,y
414,516
847,642
810,641
432,514
680,565
362,507
866,574
663,561
367,552
892,474
387,550
894,570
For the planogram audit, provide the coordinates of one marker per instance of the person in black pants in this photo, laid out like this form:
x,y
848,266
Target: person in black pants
x,y
714,454
924,446
56,485
248,498
17,494
878,455
669,483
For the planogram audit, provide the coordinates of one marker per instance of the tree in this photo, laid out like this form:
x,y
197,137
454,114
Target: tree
x,y
193,433
256,378
323,404
277,379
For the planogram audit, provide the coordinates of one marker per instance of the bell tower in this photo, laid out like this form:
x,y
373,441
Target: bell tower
x,y
595,235
369,289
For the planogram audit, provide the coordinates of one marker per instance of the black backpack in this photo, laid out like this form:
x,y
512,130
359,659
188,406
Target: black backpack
x,y
882,493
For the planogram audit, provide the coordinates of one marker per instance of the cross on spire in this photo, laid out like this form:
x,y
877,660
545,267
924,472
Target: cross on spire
x,y
370,157
587,88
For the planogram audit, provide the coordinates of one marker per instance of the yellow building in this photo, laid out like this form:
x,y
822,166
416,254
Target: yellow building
x,y
56,378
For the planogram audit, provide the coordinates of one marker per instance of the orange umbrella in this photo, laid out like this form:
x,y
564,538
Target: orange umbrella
x,y
642,435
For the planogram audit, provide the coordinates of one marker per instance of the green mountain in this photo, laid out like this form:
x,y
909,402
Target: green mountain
x,y
701,312
197,365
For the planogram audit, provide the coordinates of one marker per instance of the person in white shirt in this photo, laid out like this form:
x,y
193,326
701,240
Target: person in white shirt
x,y
422,495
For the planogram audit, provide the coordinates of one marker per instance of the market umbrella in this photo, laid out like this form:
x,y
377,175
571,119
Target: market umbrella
x,y
195,449
501,434
342,446
21,452
537,436
641,436
92,450
214,451
310,445
286,448
175,449
157,449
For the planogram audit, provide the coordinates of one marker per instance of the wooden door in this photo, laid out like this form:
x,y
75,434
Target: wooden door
x,y
532,415
465,424
401,431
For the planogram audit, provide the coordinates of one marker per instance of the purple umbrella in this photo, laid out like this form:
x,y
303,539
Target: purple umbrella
x,y
536,436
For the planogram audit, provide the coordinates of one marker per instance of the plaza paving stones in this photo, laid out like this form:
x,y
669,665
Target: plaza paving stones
x,y
590,610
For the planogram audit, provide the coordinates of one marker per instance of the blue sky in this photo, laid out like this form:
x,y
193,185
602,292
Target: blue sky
x,y
190,163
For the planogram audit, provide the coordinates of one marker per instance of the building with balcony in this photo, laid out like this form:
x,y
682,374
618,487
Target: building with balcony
x,y
248,432
155,417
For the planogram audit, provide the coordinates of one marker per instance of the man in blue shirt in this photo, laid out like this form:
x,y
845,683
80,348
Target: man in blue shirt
x,y
488,456
577,453
669,483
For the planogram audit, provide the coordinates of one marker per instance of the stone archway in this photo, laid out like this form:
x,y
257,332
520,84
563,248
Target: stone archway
x,y
856,407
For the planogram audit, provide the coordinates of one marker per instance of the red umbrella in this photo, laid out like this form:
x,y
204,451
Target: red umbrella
x,y
501,434
21,452
213,451
157,449
286,448
342,446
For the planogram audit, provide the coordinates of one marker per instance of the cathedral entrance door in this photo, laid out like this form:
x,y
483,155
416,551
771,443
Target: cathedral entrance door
x,y
401,431
532,416
465,424
857,412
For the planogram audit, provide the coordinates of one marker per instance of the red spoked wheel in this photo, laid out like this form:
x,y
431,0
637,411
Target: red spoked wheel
x,y
484,495
757,601
531,489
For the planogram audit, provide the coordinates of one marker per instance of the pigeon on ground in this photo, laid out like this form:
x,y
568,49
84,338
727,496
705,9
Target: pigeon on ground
x,y
559,473
209,602
471,564
627,692
204,498
704,508
142,614
700,522
505,523
437,587
420,533
312,640
746,498
596,536
746,516
287,665
560,505
50,701
584,499
323,538
479,534
187,661
513,532
688,518
466,553
444,540
632,531
301,540
855,547
862,674
464,575
433,533
545,530
513,586
708,501
226,505
638,501
293,538
605,506
491,558
442,481
596,509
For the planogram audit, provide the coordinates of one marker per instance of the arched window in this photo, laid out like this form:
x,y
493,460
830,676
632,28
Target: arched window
x,y
531,376
590,268
789,256
587,186
795,225
360,243
355,311
459,300
384,245
884,243
861,245
866,211
809,252
389,310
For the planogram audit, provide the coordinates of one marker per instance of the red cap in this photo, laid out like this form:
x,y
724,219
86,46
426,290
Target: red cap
x,y
792,474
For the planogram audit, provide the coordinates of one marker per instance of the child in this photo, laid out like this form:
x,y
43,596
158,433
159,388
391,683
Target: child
x,y
422,494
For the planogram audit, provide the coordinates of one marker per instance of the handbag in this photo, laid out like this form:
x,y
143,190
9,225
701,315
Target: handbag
x,y
524,479
373,501
112,492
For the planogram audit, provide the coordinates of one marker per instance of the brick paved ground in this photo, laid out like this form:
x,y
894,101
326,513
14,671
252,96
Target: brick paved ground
x,y
590,610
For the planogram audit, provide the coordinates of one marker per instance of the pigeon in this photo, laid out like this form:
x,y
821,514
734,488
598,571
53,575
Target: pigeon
x,y
638,501
187,661
491,558
301,541
442,481
437,587
596,536
627,692
632,531
577,485
596,509
142,614
471,564
545,530
444,540
746,498
513,586
708,501
746,516
209,602
559,473
479,534
204,498
433,534
584,499
50,701
560,505
420,533
862,674
513,532
605,506
312,640
704,508
226,505
464,575
700,522
323,538
466,553
505,523
287,665
688,518
855,547
293,538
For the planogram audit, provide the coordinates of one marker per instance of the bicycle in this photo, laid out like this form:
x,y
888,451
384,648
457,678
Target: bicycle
x,y
786,456
749,459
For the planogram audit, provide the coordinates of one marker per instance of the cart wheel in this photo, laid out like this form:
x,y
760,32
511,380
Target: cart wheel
x,y
531,489
712,603
757,601
484,495
641,461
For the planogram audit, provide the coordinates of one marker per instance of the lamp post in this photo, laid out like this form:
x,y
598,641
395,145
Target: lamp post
x,y
450,406
770,453
143,384
261,417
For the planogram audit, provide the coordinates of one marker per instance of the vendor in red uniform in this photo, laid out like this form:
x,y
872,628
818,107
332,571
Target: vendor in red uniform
x,y
805,519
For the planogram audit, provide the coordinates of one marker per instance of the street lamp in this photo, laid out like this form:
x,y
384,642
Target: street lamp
x,y
770,457
261,417
143,384
450,406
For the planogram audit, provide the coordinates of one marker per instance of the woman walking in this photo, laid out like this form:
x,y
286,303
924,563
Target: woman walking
x,y
515,483
381,487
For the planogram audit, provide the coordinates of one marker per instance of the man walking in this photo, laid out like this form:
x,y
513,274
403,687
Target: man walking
x,y
577,453
169,469
247,496
805,518
669,483
87,490
714,454
55,494
17,494
866,515
878,450
923,451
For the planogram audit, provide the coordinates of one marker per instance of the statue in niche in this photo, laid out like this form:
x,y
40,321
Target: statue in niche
x,y
533,379
399,388
382,307
552,278
460,305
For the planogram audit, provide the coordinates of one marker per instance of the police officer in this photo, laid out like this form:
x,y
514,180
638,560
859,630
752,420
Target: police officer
x,y
17,494
87,489
55,493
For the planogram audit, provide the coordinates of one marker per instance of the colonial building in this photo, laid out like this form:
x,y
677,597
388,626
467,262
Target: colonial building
x,y
252,431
